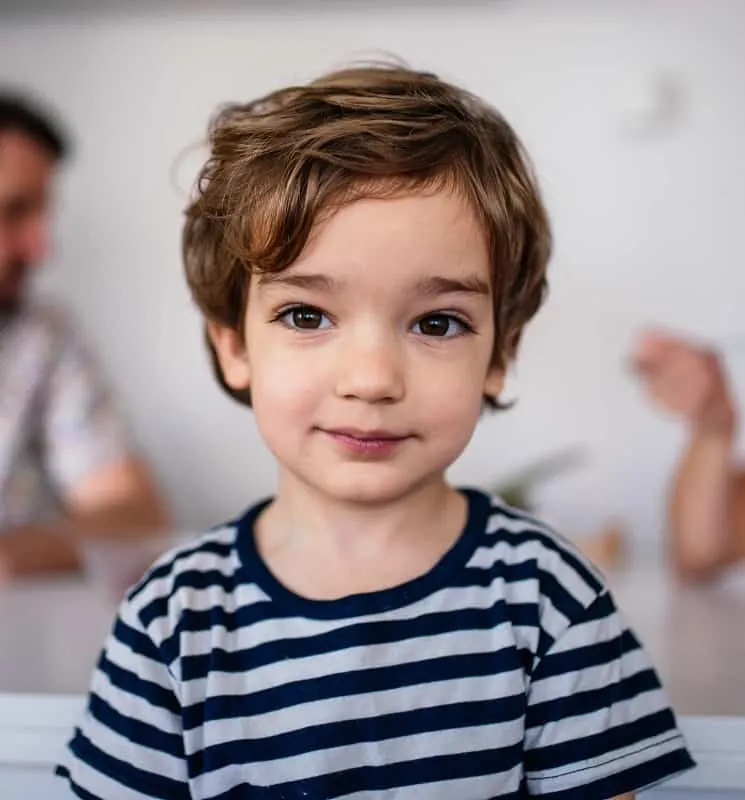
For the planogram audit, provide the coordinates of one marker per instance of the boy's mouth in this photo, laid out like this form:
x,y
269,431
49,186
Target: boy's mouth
x,y
366,442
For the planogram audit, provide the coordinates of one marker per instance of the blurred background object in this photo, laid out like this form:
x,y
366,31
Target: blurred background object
x,y
518,489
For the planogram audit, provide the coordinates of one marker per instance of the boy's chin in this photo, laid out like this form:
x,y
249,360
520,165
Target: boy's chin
x,y
366,490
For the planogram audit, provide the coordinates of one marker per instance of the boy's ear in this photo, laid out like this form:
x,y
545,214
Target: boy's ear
x,y
494,383
231,354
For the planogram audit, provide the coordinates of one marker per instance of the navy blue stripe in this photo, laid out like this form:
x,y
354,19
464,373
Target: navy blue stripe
x,y
77,790
194,579
413,722
221,549
579,702
629,780
135,730
362,634
601,607
628,734
231,620
591,655
378,679
126,774
435,769
545,642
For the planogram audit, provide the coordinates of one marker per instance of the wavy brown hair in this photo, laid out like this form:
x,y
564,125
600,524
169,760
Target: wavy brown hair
x,y
279,163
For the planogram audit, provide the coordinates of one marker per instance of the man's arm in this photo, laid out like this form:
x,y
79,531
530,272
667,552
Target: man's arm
x,y
706,512
707,508
119,500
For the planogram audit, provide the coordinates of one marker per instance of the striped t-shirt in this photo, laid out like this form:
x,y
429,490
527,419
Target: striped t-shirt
x,y
504,672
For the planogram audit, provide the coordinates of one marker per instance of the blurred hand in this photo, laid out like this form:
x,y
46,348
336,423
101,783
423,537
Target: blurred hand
x,y
686,380
6,572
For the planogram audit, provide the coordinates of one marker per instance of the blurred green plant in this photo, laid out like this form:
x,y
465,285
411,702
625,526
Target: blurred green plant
x,y
517,489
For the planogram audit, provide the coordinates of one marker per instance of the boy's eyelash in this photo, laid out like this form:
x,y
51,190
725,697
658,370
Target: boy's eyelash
x,y
461,319
464,321
279,313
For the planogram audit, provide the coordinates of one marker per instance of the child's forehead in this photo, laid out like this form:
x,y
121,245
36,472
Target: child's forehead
x,y
406,238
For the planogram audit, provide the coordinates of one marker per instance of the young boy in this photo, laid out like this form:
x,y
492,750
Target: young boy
x,y
366,251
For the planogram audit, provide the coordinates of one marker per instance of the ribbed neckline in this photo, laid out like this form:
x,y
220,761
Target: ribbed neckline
x,y
256,571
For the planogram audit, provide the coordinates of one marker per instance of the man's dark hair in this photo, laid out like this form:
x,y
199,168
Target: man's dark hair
x,y
20,115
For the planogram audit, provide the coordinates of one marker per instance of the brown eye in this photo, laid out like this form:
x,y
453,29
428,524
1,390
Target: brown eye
x,y
442,325
306,318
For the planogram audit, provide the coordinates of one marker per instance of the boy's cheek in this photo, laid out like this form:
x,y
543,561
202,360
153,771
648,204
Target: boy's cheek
x,y
291,387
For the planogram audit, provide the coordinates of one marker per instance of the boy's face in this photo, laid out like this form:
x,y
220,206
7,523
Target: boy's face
x,y
368,358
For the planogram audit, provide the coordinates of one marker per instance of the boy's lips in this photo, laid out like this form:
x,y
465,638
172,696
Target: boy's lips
x,y
366,442
366,435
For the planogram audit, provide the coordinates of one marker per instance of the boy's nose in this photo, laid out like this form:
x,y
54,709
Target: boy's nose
x,y
372,370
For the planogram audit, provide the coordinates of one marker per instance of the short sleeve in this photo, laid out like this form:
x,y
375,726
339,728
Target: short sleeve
x,y
129,744
81,430
598,723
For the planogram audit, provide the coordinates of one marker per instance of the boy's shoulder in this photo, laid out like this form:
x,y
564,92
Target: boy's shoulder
x,y
517,535
524,551
199,571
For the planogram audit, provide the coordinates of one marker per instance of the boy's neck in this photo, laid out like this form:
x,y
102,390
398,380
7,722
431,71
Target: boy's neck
x,y
350,548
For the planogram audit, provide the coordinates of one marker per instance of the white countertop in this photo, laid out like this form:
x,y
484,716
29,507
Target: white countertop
x,y
51,632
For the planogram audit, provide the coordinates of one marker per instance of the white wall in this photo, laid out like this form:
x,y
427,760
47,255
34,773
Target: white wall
x,y
646,229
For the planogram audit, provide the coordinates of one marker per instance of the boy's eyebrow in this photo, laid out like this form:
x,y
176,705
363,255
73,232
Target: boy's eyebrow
x,y
300,281
430,287
437,285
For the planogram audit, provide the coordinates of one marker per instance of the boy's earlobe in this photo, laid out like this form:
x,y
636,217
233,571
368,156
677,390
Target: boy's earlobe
x,y
231,354
494,383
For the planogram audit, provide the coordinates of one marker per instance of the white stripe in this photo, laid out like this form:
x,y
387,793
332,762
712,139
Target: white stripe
x,y
339,759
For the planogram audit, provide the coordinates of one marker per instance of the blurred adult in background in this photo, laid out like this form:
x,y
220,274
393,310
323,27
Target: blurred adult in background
x,y
706,513
66,468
